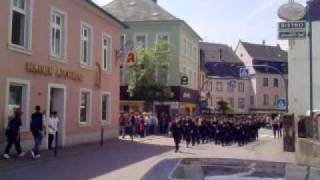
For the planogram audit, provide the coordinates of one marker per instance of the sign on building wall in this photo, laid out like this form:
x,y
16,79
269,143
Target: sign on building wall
x,y
131,59
184,80
292,30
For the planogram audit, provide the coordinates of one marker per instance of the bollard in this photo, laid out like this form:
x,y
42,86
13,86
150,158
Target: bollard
x,y
56,145
101,140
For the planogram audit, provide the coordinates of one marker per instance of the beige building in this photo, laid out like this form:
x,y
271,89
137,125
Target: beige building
x,y
268,69
224,82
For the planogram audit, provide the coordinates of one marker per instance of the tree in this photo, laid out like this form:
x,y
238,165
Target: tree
x,y
224,107
148,77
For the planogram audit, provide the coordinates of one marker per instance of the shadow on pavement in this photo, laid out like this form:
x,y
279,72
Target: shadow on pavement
x,y
83,164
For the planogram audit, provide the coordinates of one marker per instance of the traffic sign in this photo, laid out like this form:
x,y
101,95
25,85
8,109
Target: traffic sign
x,y
282,103
244,72
292,30
232,83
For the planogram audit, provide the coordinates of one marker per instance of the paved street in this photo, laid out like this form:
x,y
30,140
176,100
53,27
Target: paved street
x,y
123,159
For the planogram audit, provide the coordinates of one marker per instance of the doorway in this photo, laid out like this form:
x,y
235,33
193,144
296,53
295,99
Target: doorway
x,y
57,103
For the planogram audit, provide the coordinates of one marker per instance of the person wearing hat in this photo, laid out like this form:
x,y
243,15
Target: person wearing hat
x,y
13,135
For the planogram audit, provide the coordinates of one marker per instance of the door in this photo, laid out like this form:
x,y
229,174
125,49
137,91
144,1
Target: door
x,y
57,103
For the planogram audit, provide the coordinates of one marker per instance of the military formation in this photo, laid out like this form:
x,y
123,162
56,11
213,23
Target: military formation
x,y
221,130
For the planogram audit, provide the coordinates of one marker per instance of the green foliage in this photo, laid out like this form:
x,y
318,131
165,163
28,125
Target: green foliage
x,y
148,77
224,107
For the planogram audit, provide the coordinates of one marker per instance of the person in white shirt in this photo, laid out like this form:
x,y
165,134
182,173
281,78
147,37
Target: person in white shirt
x,y
53,121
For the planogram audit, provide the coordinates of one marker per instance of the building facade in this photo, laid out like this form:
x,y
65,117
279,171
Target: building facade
x,y
307,149
224,82
62,56
149,23
268,69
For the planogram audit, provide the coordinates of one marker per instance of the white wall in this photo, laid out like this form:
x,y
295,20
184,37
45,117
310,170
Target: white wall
x,y
299,74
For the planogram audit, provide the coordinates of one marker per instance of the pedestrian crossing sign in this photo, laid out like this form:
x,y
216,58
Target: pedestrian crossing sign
x,y
282,103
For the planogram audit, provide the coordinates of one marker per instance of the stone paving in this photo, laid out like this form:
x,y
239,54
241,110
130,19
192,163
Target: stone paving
x,y
149,158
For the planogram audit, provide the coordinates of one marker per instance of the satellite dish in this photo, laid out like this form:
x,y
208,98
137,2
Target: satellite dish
x,y
292,11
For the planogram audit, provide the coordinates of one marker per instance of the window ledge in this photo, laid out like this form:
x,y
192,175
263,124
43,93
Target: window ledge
x,y
106,123
19,49
84,124
87,67
107,72
58,59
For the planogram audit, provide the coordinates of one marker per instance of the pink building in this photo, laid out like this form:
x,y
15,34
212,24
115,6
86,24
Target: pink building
x,y
63,56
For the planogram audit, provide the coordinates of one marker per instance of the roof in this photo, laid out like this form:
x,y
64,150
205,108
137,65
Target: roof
x,y
265,52
219,53
222,69
106,13
142,11
138,10
274,67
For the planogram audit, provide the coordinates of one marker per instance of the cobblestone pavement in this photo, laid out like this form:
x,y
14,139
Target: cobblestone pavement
x,y
123,159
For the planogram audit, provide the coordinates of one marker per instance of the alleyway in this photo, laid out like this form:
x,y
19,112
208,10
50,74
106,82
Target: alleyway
x,y
123,159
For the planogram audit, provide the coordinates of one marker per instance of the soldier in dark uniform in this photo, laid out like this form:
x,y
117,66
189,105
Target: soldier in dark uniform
x,y
176,131
187,131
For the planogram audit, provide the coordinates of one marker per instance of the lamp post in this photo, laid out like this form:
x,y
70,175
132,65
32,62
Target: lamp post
x,y
282,76
310,58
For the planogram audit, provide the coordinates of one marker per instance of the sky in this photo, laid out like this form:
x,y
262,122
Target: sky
x,y
228,21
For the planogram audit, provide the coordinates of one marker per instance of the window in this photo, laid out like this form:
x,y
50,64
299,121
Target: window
x,y
231,102
106,108
241,103
265,82
58,33
275,82
252,100
265,99
141,40
106,53
21,23
86,44
241,87
219,87
164,37
123,42
276,98
18,98
85,106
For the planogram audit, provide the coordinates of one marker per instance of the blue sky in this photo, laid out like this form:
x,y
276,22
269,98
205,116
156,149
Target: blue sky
x,y
228,21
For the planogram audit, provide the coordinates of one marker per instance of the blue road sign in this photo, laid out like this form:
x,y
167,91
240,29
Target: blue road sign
x,y
282,103
244,72
232,84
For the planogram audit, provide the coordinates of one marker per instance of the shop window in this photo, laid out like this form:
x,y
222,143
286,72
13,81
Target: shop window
x,y
106,108
21,23
18,97
106,53
85,106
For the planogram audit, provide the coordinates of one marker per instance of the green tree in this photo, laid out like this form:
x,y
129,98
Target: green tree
x,y
148,77
224,107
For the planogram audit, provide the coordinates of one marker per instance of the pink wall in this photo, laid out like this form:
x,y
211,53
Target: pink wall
x,y
12,64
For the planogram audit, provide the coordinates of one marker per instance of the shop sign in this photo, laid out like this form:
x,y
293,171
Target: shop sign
x,y
186,95
292,30
53,71
184,80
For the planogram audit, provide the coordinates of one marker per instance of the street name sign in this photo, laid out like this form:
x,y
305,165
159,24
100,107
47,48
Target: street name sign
x,y
282,103
292,30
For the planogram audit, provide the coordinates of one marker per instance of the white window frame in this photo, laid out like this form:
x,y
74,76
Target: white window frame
x,y
64,35
109,110
27,108
90,45
109,38
88,123
164,33
27,48
125,41
136,42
